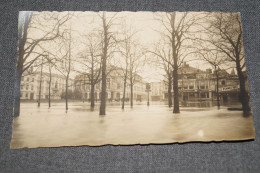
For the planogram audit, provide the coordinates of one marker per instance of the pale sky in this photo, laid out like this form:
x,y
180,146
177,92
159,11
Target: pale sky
x,y
83,23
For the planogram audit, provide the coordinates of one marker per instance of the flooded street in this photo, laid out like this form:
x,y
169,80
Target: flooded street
x,y
43,127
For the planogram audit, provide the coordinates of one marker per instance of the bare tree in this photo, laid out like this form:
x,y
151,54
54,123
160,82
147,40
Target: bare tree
x,y
136,62
164,60
225,34
108,43
126,55
40,88
51,62
127,51
176,31
64,64
27,46
91,61
217,61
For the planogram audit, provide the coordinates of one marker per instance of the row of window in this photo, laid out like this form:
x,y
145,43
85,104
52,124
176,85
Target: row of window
x,y
27,87
27,79
25,95
192,87
58,82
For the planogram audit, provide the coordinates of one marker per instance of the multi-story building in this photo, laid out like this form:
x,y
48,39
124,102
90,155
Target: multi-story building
x,y
196,84
114,87
228,86
30,85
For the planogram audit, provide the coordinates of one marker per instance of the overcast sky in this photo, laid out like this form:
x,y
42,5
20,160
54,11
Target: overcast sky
x,y
144,23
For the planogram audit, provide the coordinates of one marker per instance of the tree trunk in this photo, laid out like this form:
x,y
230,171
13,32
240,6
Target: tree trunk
x,y
218,99
92,96
244,98
17,92
22,37
123,101
84,94
50,90
169,92
102,110
66,96
176,108
131,95
40,89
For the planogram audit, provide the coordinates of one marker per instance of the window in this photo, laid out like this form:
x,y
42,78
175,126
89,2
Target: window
x,y
32,79
27,87
191,87
22,78
26,95
32,87
223,82
28,78
21,87
203,95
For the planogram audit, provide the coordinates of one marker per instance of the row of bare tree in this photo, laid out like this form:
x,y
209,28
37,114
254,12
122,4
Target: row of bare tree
x,y
28,45
55,50
98,59
215,38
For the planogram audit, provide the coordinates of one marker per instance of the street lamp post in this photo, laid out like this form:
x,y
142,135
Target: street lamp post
x,y
148,89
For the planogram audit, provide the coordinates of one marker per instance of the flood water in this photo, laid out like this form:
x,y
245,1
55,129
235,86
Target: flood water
x,y
44,127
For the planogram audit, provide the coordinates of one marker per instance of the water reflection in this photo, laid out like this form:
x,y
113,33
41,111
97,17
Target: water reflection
x,y
82,125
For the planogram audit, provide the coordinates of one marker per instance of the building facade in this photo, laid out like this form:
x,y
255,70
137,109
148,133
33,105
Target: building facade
x,y
31,81
157,91
195,84
114,87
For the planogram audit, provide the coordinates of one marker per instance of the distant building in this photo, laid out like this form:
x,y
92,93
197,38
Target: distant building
x,y
228,86
115,86
30,85
196,84
157,89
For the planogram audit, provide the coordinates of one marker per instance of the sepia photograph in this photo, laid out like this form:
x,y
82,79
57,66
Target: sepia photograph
x,y
127,78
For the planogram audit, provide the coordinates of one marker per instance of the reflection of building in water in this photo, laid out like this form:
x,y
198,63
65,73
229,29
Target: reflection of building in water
x,y
30,85
196,84
115,86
